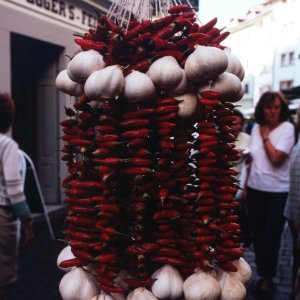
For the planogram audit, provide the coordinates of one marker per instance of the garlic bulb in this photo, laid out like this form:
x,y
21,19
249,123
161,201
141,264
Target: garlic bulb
x,y
187,106
244,270
231,288
106,83
119,280
103,296
165,73
65,254
168,283
66,85
228,85
139,88
83,64
205,63
78,284
201,286
181,87
234,65
141,293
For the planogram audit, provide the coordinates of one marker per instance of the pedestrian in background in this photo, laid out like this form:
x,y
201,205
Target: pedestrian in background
x,y
272,140
242,144
292,208
13,205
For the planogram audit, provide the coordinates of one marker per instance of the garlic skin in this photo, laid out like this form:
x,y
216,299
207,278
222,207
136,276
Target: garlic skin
x,y
78,284
205,63
65,254
68,86
83,64
201,286
187,106
244,270
106,83
119,280
105,296
168,283
228,85
181,88
141,293
234,65
231,288
165,73
139,88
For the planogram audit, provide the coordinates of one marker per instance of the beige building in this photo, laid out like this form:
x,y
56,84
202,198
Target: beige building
x,y
36,38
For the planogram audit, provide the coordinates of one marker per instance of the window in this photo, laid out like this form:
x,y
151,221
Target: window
x,y
291,58
287,59
246,88
283,59
286,84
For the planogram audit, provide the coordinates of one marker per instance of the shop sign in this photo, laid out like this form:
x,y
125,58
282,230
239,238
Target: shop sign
x,y
62,10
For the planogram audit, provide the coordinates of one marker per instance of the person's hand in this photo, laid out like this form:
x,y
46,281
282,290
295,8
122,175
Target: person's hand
x,y
264,131
28,233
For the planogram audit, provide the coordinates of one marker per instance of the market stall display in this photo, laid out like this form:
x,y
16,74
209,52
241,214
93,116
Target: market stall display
x,y
149,152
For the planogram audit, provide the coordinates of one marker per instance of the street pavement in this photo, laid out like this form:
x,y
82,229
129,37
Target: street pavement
x,y
39,276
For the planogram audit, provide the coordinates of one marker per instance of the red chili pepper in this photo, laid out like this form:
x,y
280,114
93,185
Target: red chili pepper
x,y
137,133
213,32
80,142
81,221
166,145
208,102
140,152
87,184
69,123
165,109
141,66
168,251
90,44
82,209
138,29
111,289
179,8
166,214
167,260
166,242
82,254
73,262
139,162
143,112
230,226
109,144
178,55
227,266
136,143
135,283
105,129
106,137
109,207
136,171
135,123
83,236
101,152
204,28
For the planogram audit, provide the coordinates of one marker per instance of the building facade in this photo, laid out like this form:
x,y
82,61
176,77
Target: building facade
x,y
36,41
267,41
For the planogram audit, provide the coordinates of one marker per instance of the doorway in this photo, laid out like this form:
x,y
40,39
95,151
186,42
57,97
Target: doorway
x,y
34,66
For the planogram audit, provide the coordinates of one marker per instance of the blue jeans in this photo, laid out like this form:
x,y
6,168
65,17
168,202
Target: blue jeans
x,y
267,223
